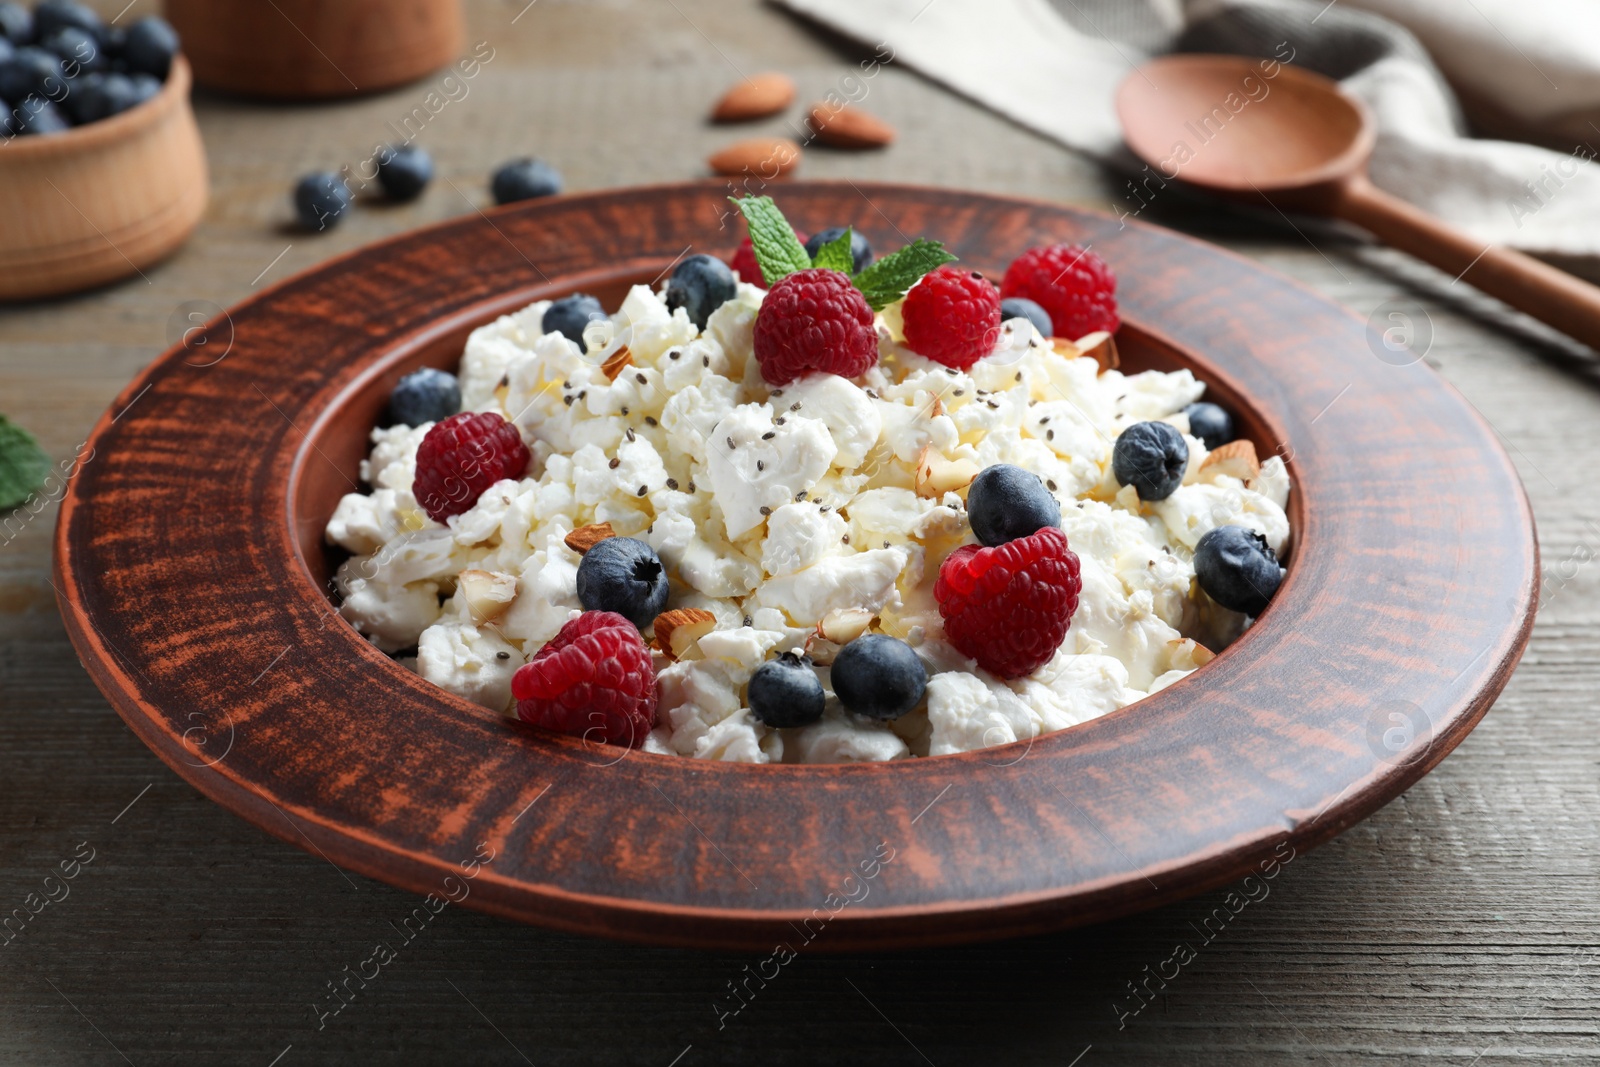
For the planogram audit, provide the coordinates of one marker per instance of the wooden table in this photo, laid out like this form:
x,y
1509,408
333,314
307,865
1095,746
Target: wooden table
x,y
1460,925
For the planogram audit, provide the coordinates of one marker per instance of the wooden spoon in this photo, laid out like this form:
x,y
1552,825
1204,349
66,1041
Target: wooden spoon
x,y
1258,129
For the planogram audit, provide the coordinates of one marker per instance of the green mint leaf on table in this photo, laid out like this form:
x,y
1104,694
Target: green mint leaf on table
x,y
23,465
835,255
887,280
777,249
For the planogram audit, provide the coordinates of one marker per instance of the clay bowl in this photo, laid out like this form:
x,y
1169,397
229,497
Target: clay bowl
x,y
103,201
316,49
1409,600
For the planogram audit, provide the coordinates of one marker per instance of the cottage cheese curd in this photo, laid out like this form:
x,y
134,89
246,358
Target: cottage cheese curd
x,y
778,510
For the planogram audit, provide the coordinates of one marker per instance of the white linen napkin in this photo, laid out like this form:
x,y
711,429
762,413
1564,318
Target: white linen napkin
x,y
1531,67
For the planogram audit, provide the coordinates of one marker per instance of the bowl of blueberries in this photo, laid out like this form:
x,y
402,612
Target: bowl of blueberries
x,y
100,156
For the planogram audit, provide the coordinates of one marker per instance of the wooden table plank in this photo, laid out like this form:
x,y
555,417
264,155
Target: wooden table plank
x,y
1459,925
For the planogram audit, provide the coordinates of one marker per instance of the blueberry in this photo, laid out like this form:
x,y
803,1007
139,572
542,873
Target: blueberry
x,y
700,285
878,676
16,22
37,117
624,575
425,395
99,96
1020,307
7,49
524,179
149,47
1151,457
786,692
1007,502
80,52
1210,423
860,250
1237,569
32,71
569,315
52,15
404,171
145,87
321,200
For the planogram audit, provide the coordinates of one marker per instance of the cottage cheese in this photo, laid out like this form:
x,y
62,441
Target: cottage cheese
x,y
778,510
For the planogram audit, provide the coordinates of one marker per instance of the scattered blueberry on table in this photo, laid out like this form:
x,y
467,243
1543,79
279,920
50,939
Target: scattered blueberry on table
x,y
570,315
524,179
700,285
62,66
321,199
860,250
426,395
404,171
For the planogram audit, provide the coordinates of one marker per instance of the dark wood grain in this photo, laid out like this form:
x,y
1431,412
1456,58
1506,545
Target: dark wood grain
x,y
1411,587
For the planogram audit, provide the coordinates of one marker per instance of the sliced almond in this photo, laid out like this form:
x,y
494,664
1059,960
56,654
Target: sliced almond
x,y
937,475
677,630
842,625
843,126
755,98
764,157
584,538
1101,347
1191,651
936,408
616,361
1236,459
488,594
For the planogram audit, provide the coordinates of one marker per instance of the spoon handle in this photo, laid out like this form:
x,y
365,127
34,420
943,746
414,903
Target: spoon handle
x,y
1552,296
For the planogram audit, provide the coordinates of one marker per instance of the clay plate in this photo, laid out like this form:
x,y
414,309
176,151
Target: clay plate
x,y
191,572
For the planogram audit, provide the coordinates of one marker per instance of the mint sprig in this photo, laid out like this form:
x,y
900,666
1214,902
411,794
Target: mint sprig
x,y
835,255
887,280
777,249
23,465
779,252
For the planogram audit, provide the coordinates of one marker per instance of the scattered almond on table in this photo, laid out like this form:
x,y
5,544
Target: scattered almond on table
x,y
765,157
755,98
843,126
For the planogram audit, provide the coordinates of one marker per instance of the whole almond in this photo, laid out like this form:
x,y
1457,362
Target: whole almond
x,y
584,538
843,126
755,98
764,157
1236,458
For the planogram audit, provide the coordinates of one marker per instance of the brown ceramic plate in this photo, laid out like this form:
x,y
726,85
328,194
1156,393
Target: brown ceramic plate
x,y
192,573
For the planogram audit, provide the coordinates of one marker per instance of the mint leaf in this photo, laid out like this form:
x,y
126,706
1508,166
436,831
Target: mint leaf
x,y
23,465
836,255
887,280
778,250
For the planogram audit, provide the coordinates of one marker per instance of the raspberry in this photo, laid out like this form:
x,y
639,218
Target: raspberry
x,y
814,320
1073,284
952,316
461,457
1009,607
593,680
745,266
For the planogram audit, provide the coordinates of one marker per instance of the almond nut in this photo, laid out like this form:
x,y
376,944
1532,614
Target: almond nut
x,y
755,98
1101,347
487,594
677,630
1190,650
584,538
616,361
843,625
1236,459
764,157
843,126
937,475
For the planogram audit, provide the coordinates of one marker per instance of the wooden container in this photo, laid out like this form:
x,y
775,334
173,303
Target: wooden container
x,y
102,201
311,49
